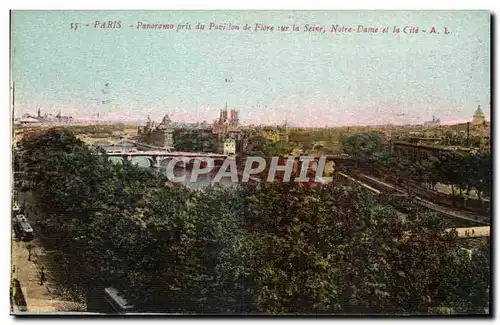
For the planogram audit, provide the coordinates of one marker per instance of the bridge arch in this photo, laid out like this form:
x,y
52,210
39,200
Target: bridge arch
x,y
164,161
143,161
117,160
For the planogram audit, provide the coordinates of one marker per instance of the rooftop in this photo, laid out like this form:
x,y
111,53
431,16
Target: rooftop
x,y
26,227
432,147
28,120
119,299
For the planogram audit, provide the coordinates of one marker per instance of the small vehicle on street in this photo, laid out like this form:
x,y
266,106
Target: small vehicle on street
x,y
118,303
19,218
22,228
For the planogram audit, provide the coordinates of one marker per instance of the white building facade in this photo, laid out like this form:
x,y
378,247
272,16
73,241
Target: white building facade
x,y
230,147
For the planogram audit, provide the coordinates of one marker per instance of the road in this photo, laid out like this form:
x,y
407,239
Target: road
x,y
39,298
472,232
26,269
456,213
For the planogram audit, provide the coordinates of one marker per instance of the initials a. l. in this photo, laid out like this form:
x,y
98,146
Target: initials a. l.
x,y
433,31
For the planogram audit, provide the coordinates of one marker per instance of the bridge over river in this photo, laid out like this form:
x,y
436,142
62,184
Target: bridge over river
x,y
159,160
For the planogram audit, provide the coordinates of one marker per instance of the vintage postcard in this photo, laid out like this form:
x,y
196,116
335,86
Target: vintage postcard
x,y
251,162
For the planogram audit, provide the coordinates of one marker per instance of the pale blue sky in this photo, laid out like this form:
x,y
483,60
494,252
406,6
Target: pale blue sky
x,y
311,79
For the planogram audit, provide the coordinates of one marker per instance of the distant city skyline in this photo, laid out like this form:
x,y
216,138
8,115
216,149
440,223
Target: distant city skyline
x,y
307,79
141,120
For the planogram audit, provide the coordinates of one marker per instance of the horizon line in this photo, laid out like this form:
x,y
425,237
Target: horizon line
x,y
139,122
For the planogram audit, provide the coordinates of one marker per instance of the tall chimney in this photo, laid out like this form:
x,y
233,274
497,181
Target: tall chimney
x,y
468,132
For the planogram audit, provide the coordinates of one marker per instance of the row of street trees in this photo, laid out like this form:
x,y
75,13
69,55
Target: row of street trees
x,y
270,248
464,171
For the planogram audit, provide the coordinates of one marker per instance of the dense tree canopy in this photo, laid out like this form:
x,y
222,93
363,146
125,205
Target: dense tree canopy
x,y
260,146
463,170
193,140
362,145
268,248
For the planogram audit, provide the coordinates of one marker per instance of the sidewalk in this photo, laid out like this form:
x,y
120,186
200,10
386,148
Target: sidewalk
x,y
39,298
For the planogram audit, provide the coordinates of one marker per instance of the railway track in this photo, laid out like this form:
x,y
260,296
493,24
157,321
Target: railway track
x,y
378,187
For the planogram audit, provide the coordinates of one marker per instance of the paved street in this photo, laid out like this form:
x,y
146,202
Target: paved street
x,y
473,232
38,298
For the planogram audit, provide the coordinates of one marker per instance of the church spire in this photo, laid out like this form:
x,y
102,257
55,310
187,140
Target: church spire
x,y
224,113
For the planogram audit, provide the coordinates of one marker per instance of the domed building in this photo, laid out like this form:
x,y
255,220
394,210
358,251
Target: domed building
x,y
478,117
161,135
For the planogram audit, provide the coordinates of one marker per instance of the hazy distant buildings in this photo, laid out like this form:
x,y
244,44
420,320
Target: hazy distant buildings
x,y
226,123
63,119
27,121
279,133
434,122
161,135
192,126
47,118
226,128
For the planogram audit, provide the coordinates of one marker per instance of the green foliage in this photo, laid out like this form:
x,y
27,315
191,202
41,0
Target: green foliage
x,y
261,146
362,145
69,173
193,140
96,129
351,254
268,248
454,168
